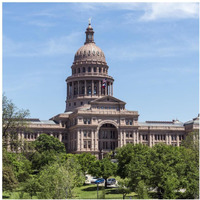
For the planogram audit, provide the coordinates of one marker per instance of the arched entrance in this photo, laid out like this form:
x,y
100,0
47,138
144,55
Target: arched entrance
x,y
108,139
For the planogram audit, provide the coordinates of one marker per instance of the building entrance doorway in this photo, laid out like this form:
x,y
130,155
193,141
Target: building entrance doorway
x,y
108,139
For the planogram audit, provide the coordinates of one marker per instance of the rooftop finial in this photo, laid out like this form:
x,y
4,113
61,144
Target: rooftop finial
x,y
89,20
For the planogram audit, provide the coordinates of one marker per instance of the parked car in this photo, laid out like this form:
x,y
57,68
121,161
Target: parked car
x,y
87,181
111,181
99,181
92,181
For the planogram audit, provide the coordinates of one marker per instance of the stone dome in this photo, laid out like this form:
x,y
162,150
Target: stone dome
x,y
89,52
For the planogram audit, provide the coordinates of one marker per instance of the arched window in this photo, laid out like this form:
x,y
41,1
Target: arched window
x,y
89,90
89,69
83,69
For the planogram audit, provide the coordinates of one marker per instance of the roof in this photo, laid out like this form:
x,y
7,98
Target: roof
x,y
41,121
193,121
161,123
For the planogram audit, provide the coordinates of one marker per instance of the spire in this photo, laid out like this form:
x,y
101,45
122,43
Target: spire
x,y
89,33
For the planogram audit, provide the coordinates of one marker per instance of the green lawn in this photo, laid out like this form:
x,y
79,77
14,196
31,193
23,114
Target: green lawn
x,y
90,192
83,192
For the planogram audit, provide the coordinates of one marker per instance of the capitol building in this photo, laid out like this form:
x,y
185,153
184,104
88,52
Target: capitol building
x,y
94,120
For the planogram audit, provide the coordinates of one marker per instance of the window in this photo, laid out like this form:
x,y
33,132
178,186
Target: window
x,y
89,69
89,144
85,121
89,90
126,134
85,144
131,135
79,70
155,137
69,104
81,103
83,90
74,103
95,69
83,69
85,134
99,69
89,134
95,89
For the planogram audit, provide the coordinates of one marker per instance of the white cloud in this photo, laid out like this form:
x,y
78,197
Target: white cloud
x,y
41,23
156,11
161,48
51,47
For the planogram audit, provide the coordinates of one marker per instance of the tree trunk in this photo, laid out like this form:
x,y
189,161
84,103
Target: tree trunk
x,y
105,183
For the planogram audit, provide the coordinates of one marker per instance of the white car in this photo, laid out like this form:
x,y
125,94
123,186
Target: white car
x,y
92,181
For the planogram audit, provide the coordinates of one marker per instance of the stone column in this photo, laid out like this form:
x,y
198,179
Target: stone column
x,y
141,138
112,89
124,137
78,89
78,140
60,137
150,140
106,89
67,90
170,139
167,138
137,136
73,89
96,141
92,92
99,92
92,139
85,88
134,137
153,139
81,140
177,140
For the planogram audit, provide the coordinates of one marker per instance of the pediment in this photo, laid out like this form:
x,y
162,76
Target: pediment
x,y
108,100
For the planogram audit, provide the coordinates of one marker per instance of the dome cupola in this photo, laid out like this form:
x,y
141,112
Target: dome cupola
x,y
89,52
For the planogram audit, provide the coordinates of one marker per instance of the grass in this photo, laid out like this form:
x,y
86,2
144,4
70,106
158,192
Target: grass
x,y
90,192
83,192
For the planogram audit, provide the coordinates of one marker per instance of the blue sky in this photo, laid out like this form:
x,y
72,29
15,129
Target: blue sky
x,y
152,50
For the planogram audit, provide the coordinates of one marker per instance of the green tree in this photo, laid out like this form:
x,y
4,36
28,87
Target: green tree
x,y
59,180
31,186
13,122
141,190
103,168
133,162
19,164
86,160
124,187
9,180
48,143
